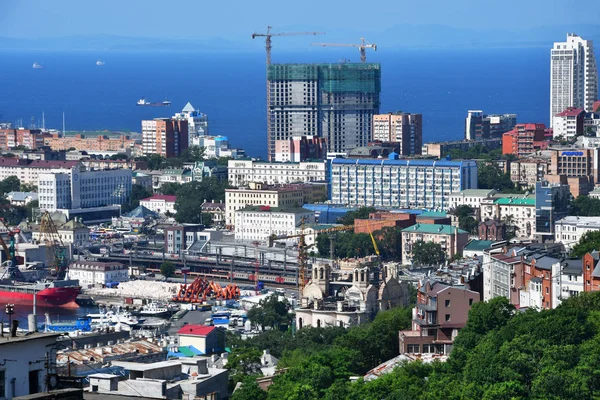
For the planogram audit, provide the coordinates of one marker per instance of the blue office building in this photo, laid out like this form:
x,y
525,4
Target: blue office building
x,y
421,184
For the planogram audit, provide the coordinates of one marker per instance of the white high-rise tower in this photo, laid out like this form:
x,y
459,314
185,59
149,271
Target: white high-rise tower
x,y
573,75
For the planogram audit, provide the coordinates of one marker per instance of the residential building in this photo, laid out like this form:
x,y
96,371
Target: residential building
x,y
259,194
520,140
96,273
424,184
591,271
120,143
331,101
469,197
479,126
207,339
528,171
160,203
216,210
452,239
188,237
22,368
216,146
440,313
516,211
28,170
501,123
551,204
21,198
403,128
575,167
242,172
568,123
573,75
92,195
197,121
591,124
570,229
259,223
28,138
300,148
442,149
167,137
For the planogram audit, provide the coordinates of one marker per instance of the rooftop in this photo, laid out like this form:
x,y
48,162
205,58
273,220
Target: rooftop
x,y
404,163
593,222
6,340
516,202
21,196
433,214
570,112
434,229
289,210
137,366
474,192
479,245
196,330
164,197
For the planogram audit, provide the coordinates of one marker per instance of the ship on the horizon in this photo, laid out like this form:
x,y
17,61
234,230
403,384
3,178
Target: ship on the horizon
x,y
144,102
37,65
100,63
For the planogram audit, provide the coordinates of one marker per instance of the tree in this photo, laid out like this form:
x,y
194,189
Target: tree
x,y
389,242
138,192
589,242
585,206
155,161
191,196
490,176
427,253
28,187
10,184
511,228
167,269
249,390
119,156
271,312
193,154
224,161
169,188
466,221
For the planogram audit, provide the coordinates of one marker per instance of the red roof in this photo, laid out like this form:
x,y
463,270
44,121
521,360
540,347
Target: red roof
x,y
570,112
165,197
196,330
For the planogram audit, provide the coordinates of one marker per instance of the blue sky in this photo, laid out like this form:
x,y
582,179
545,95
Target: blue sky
x,y
236,19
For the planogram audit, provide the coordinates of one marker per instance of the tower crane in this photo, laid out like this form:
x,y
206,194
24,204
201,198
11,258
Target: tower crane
x,y
362,46
49,234
269,35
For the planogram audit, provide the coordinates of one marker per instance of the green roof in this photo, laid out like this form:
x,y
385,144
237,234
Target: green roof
x,y
433,214
434,229
186,351
479,245
517,202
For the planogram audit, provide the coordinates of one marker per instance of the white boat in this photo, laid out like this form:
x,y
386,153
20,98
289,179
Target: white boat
x,y
100,63
154,310
143,102
37,65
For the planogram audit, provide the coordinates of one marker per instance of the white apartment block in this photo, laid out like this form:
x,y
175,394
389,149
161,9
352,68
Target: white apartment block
x,y
160,203
242,172
259,223
470,197
256,195
421,184
573,75
28,171
91,273
77,188
518,212
148,136
570,229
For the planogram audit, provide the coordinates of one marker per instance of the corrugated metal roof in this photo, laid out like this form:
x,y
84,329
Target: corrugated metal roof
x,y
98,354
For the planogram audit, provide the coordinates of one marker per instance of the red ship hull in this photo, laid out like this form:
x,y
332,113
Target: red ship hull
x,y
50,297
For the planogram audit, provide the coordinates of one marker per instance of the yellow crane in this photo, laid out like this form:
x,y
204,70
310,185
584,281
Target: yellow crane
x,y
269,35
362,47
373,240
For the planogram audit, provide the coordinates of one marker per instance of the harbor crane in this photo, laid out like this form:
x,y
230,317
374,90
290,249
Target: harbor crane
x,y
269,35
49,235
362,47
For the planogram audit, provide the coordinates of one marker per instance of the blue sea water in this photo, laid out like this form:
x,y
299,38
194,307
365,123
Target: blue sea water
x,y
230,88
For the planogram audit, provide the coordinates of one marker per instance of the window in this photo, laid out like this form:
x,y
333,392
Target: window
x,y
2,383
447,303
447,317
547,290
470,302
412,348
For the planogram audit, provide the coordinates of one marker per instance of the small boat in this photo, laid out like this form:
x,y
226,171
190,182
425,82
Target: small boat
x,y
143,102
82,324
166,103
100,63
154,310
37,65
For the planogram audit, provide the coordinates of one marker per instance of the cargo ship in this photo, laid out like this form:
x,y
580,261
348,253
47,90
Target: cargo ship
x,y
144,102
51,293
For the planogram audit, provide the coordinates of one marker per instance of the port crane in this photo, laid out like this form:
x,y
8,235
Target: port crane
x,y
269,35
49,235
362,47
10,251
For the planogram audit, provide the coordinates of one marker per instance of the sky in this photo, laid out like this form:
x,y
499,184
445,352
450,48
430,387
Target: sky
x,y
236,19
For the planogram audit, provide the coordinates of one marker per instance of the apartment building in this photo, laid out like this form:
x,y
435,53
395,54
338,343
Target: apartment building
x,y
570,229
528,171
403,128
520,140
243,172
470,197
424,184
259,223
568,123
518,212
28,171
479,126
167,137
122,143
29,138
92,273
300,148
573,75
331,101
452,239
575,167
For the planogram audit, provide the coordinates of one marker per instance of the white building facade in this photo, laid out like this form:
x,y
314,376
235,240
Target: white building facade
x,y
197,121
259,223
242,172
517,212
573,75
424,184
98,273
470,197
570,229
160,203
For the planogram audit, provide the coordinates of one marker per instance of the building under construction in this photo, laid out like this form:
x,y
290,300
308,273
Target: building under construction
x,y
333,101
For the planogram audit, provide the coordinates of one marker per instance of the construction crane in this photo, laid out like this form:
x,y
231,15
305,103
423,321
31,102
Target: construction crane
x,y
362,47
269,35
49,235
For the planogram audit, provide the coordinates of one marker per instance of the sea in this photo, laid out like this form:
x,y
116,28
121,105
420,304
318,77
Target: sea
x,y
441,84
